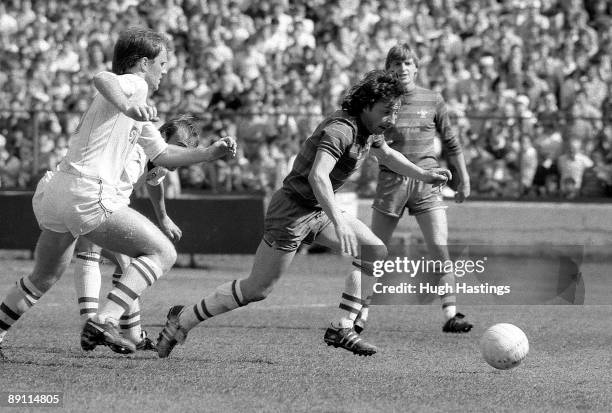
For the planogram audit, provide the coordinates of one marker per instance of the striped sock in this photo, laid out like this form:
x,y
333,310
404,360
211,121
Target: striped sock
x,y
141,273
362,317
87,283
351,302
226,297
19,299
129,323
449,301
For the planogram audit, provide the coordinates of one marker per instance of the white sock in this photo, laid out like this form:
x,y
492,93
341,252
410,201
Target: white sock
x,y
140,274
449,301
129,323
87,283
351,302
20,298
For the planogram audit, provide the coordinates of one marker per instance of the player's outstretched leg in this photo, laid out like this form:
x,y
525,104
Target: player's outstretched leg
x,y
181,319
268,266
53,254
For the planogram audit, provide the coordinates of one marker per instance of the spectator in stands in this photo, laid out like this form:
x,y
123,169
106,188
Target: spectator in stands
x,y
528,163
296,55
572,165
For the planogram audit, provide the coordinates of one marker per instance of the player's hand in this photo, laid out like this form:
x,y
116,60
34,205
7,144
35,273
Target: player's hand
x,y
225,146
170,229
437,176
463,191
347,238
142,113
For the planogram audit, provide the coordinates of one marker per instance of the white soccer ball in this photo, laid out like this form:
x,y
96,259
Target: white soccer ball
x,y
504,346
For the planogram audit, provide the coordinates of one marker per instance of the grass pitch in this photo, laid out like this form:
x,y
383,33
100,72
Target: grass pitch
x,y
270,356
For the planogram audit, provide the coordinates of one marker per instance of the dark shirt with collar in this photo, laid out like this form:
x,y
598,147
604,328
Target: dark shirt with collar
x,y
342,136
422,116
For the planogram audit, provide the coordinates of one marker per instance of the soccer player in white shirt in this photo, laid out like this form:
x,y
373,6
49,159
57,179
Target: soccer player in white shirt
x,y
179,131
83,197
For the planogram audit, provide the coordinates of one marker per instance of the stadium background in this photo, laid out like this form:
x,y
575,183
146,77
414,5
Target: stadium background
x,y
268,71
521,78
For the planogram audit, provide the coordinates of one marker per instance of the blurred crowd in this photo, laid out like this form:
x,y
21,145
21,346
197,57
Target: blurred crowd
x,y
528,83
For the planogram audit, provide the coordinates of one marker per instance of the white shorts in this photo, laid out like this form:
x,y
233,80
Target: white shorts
x,y
68,203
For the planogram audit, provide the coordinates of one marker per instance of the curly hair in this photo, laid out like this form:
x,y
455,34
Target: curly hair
x,y
377,85
183,128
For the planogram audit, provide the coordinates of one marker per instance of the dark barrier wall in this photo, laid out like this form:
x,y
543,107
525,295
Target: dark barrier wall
x,y
210,224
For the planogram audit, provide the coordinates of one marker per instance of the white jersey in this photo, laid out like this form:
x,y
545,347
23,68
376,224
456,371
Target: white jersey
x,y
134,173
101,146
88,186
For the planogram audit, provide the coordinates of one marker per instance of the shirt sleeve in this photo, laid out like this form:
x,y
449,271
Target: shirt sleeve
x,y
444,129
151,141
134,87
336,137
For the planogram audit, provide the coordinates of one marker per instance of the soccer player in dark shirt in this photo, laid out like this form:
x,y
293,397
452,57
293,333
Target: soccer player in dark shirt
x,y
422,116
305,207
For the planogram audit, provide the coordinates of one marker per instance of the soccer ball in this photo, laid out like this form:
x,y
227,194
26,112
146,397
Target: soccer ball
x,y
504,346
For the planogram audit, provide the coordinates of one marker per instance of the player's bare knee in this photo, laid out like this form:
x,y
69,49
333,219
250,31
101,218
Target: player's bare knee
x,y
166,255
172,256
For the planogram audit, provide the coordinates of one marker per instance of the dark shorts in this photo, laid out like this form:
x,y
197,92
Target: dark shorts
x,y
395,192
288,224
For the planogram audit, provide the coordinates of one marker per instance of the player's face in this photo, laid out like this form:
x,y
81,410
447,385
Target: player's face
x,y
156,69
381,116
407,70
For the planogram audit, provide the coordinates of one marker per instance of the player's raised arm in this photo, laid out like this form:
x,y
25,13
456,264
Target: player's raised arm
x,y
398,163
322,187
109,86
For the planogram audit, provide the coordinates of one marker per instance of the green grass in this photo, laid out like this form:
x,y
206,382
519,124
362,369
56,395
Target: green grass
x,y
270,356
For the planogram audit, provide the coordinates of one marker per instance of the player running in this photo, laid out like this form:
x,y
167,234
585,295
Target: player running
x,y
84,199
305,206
179,131
423,115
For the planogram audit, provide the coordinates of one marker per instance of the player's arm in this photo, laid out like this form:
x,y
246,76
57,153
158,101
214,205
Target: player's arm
x,y
398,163
453,146
157,198
174,156
464,187
109,86
322,188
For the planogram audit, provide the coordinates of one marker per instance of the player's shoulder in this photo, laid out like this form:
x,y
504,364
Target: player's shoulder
x,y
341,125
133,84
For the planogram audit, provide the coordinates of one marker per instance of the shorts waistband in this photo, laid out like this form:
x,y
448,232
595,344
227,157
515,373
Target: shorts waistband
x,y
71,171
